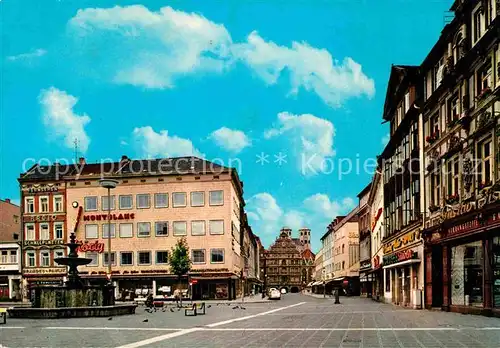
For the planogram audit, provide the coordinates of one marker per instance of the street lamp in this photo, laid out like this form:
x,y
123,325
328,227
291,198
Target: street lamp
x,y
109,184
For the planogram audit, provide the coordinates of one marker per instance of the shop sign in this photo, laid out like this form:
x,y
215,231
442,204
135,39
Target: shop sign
x,y
376,261
99,217
42,188
471,225
400,256
365,264
49,242
209,270
375,220
87,246
45,270
451,211
402,241
40,218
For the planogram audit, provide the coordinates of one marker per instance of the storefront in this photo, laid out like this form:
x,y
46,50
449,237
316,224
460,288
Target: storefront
x,y
377,279
214,286
463,258
366,278
403,270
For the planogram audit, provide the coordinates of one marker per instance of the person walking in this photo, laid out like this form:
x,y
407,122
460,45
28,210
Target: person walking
x,y
177,297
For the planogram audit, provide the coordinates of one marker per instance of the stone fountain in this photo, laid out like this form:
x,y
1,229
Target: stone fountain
x,y
74,298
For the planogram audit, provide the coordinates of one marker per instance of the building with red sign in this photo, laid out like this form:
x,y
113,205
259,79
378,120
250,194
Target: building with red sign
x,y
461,110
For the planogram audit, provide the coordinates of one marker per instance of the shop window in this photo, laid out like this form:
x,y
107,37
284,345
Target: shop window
x,y
105,258
197,199
105,230
30,231
217,256
161,200
198,228
31,261
30,205
143,229
58,230
143,201
144,257
44,232
496,271
198,256
44,204
161,228
58,203
161,257
44,259
90,203
485,168
104,203
180,228
467,274
126,202
216,226
126,258
216,198
179,199
126,230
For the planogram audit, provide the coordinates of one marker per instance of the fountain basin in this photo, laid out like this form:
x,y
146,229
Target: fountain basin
x,y
77,261
71,312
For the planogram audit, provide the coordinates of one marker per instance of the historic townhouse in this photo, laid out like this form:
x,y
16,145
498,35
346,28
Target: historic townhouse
x,y
461,110
10,269
155,203
250,259
400,160
365,241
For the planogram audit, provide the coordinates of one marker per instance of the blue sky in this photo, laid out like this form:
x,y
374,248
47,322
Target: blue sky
x,y
231,80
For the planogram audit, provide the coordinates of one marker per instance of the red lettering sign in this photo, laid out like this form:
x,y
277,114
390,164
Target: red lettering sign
x,y
376,261
405,255
78,218
100,217
87,246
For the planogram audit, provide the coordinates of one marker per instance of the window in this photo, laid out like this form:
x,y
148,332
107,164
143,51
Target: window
x,y
30,231
44,232
90,203
217,256
58,254
5,257
435,189
143,201
13,256
161,200
104,203
94,257
197,199
198,228
126,202
44,204
179,199
434,124
143,229
105,258
198,256
453,176
58,230
44,259
477,25
484,79
126,258
406,147
216,197
105,230
30,205
406,206
485,168
467,274
91,232
415,196
58,203
144,258
453,109
180,228
407,101
162,257
216,226
31,261
161,228
126,230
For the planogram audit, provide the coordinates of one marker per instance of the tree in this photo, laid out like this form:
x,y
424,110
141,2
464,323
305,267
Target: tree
x,y
180,263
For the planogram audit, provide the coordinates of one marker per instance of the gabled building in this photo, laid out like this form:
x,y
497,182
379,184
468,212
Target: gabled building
x,y
10,251
365,241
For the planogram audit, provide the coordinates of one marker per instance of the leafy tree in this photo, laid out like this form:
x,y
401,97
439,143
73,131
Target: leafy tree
x,y
180,263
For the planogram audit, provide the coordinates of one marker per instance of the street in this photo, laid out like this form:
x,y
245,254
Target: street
x,y
294,321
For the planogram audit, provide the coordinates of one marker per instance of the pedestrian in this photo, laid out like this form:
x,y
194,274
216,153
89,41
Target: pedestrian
x,y
150,303
177,295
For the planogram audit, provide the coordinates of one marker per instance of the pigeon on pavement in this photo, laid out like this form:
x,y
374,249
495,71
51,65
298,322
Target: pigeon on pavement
x,y
145,320
110,318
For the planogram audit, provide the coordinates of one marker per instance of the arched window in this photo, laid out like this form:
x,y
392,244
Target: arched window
x,y
458,49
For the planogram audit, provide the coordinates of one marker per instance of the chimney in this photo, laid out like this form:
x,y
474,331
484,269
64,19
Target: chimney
x,y
7,200
81,160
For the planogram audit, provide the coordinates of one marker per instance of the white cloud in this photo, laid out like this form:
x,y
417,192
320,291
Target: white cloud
x,y
39,52
152,48
310,68
267,217
311,138
153,144
230,139
60,119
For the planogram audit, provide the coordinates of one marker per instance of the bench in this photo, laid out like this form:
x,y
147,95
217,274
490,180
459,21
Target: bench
x,y
195,309
3,315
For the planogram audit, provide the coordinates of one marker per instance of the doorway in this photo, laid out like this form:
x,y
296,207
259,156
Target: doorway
x,y
437,276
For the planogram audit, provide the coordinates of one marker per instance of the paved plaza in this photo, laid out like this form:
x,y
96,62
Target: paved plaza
x,y
294,321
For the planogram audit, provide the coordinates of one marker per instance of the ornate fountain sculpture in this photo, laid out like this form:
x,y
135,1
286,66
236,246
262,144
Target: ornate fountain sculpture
x,y
73,261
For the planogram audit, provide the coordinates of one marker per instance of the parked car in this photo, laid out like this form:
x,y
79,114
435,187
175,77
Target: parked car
x,y
275,294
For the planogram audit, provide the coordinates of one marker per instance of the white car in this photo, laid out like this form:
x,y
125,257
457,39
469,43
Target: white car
x,y
275,294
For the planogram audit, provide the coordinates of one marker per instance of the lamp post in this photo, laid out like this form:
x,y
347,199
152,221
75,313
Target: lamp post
x,y
109,184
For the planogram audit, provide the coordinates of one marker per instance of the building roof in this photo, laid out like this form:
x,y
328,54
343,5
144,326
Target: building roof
x,y
400,75
365,190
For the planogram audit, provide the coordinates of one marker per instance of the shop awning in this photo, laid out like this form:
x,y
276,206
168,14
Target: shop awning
x,y
317,283
310,284
338,279
403,263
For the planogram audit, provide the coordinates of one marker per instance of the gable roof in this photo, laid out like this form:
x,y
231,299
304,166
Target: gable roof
x,y
399,76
